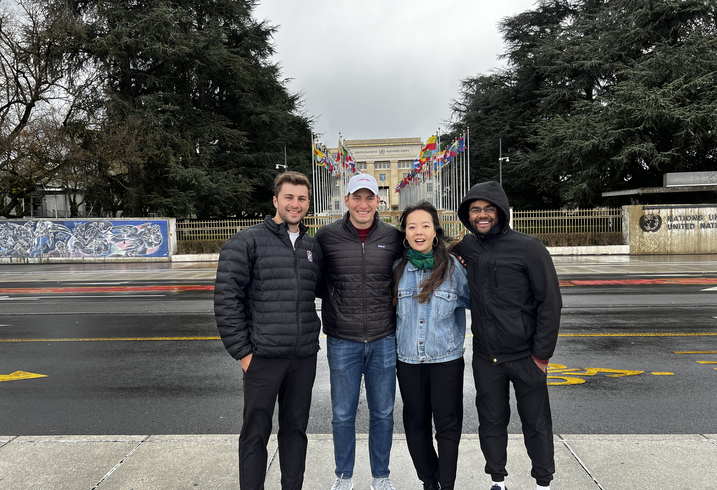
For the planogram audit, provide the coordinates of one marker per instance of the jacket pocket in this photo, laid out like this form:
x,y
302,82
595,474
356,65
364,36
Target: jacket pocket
x,y
405,300
446,302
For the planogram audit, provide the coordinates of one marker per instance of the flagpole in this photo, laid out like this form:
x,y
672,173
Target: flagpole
x,y
313,173
462,178
456,190
322,178
341,173
434,169
468,151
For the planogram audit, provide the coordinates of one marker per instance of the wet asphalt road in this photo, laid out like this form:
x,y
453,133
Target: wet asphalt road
x,y
622,363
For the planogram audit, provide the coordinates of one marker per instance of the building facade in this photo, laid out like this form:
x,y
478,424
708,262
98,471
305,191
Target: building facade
x,y
388,160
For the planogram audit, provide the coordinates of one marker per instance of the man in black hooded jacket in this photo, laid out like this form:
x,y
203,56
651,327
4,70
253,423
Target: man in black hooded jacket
x,y
515,310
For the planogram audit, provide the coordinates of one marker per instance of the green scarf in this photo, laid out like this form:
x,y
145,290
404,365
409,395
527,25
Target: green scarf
x,y
422,261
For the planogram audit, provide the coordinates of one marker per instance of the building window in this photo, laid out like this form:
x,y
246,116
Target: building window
x,y
384,203
337,206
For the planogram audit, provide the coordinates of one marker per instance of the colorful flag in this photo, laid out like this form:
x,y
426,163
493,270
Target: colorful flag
x,y
428,150
461,145
319,157
348,158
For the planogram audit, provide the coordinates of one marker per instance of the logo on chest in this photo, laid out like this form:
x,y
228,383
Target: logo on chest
x,y
309,256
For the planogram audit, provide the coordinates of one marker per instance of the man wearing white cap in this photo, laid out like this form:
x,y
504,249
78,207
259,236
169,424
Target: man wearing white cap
x,y
360,324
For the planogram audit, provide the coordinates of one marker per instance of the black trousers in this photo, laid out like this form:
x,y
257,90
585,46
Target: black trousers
x,y
492,401
291,381
433,390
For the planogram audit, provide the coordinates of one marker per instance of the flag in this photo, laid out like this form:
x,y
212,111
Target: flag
x,y
345,158
348,158
428,150
319,156
461,144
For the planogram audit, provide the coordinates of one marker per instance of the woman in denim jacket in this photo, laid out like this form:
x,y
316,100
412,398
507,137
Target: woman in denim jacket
x,y
430,293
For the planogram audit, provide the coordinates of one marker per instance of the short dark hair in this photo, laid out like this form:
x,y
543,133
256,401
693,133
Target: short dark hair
x,y
294,178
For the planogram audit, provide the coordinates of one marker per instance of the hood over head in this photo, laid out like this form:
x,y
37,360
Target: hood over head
x,y
489,191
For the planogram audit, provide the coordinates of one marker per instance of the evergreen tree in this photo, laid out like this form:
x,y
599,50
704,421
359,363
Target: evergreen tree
x,y
197,116
609,95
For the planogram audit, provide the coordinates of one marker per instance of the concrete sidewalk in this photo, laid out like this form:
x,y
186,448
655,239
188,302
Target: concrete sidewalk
x,y
609,462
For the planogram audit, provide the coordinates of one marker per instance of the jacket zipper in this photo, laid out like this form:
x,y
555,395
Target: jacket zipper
x,y
298,301
363,283
489,307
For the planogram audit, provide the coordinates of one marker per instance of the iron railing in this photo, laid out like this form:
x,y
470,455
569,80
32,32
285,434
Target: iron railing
x,y
538,223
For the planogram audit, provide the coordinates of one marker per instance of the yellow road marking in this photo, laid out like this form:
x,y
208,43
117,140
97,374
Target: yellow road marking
x,y
695,352
556,370
566,381
663,374
707,362
18,375
590,371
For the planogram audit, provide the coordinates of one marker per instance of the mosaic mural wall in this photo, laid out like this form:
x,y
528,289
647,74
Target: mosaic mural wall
x,y
78,239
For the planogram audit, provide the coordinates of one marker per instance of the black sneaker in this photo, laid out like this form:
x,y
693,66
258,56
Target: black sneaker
x,y
431,486
497,487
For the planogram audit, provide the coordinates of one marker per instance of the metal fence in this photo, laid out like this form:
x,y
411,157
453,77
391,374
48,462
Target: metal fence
x,y
212,229
538,223
561,221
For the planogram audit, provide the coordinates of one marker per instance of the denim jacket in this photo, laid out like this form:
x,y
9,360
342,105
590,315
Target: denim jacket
x,y
434,331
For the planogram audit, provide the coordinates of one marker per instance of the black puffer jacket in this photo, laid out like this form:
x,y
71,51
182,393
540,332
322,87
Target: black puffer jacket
x,y
515,294
265,290
356,303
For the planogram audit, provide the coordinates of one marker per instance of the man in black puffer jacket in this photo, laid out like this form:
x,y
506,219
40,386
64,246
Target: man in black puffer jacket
x,y
264,295
360,324
515,310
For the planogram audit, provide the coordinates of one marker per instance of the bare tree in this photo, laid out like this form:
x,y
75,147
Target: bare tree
x,y
43,98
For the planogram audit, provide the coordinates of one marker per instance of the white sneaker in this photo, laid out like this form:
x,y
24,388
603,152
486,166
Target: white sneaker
x,y
382,484
342,484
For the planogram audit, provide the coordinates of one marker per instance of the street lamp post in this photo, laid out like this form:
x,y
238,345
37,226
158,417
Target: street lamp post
x,y
286,164
501,159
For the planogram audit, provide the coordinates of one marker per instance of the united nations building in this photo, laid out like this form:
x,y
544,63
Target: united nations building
x,y
388,160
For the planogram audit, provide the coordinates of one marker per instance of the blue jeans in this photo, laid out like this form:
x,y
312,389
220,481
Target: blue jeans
x,y
348,361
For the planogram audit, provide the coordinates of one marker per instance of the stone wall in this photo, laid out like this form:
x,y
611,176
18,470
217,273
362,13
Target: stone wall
x,y
672,229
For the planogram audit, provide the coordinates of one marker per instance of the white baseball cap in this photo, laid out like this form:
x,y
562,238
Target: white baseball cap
x,y
362,181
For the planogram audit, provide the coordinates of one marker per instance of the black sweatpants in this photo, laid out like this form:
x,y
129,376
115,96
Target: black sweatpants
x,y
492,402
291,380
433,390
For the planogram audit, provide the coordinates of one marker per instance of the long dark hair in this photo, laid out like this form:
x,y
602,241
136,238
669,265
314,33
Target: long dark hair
x,y
443,265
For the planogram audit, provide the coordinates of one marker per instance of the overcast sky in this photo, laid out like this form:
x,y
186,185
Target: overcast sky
x,y
384,68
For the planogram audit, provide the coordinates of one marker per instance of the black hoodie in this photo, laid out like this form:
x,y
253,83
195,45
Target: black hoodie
x,y
515,294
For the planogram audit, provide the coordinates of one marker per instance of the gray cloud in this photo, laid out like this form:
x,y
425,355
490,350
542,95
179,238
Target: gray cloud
x,y
384,68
